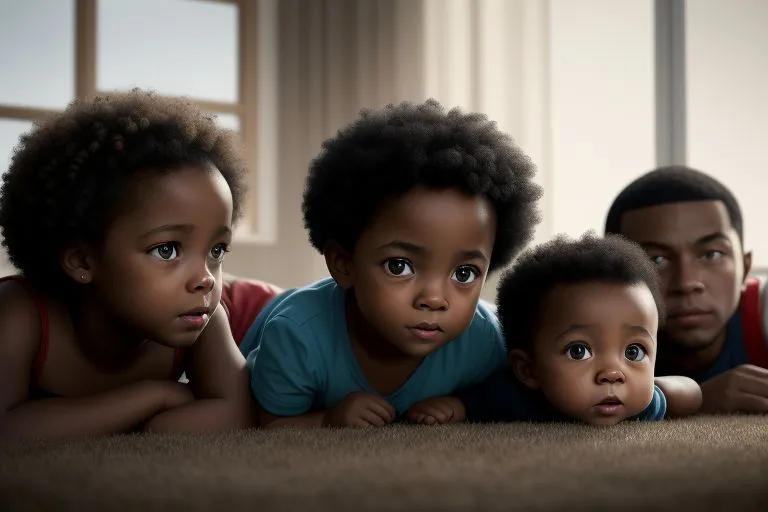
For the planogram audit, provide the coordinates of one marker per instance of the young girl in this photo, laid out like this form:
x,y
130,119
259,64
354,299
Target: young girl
x,y
118,214
411,206
580,319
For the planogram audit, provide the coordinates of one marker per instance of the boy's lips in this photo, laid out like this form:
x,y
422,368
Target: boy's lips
x,y
426,331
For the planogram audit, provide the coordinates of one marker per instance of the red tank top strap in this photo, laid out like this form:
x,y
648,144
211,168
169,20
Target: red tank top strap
x,y
42,312
243,300
752,324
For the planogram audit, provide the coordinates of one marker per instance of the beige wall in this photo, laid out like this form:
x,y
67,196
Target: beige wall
x,y
727,104
337,56
571,80
583,109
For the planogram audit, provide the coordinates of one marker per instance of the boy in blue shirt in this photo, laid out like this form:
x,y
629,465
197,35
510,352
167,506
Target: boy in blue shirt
x,y
411,207
580,319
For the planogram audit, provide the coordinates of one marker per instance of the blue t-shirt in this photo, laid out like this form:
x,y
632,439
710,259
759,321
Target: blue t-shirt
x,y
503,398
300,357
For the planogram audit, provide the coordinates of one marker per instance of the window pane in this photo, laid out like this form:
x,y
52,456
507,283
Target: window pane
x,y
37,53
230,121
176,47
10,131
727,104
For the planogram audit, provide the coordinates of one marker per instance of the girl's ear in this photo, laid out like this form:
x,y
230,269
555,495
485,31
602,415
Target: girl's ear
x,y
78,263
523,367
339,263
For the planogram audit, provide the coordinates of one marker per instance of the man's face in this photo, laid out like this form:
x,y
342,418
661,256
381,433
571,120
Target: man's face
x,y
701,264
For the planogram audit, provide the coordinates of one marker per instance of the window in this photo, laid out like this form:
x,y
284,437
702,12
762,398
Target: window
x,y
54,50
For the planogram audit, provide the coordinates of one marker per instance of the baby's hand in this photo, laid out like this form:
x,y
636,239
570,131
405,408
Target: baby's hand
x,y
360,409
437,410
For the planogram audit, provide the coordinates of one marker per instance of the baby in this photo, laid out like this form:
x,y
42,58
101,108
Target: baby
x,y
580,319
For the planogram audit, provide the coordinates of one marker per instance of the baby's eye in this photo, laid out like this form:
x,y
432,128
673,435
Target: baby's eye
x,y
165,252
634,352
578,351
398,267
465,274
218,251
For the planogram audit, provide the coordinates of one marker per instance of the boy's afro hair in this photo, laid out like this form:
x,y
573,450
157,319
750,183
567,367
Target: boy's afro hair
x,y
385,153
525,286
68,176
673,184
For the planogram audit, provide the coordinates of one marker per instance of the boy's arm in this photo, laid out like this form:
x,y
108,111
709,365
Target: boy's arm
x,y
110,412
683,395
219,379
284,370
287,375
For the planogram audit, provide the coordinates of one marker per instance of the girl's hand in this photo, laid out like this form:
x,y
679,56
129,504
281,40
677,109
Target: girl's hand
x,y
174,394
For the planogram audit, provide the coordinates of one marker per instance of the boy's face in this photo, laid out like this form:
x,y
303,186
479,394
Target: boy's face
x,y
595,351
701,265
418,269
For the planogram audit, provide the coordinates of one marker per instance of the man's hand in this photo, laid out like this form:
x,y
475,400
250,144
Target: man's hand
x,y
438,410
360,410
742,389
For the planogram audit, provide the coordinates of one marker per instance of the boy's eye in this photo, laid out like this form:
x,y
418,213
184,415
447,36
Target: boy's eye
x,y
398,267
578,351
165,252
466,274
634,352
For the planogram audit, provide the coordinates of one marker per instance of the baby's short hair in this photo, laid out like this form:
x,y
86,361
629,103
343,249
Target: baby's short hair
x,y
525,286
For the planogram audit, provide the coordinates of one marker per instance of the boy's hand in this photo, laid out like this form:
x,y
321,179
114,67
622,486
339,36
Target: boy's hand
x,y
360,410
437,410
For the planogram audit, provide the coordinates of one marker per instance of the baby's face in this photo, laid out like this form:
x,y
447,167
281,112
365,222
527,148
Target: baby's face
x,y
595,351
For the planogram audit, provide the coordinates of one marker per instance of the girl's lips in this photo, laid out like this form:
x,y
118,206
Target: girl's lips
x,y
197,320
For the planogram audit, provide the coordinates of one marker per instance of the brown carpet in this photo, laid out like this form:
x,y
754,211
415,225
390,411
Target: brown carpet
x,y
702,463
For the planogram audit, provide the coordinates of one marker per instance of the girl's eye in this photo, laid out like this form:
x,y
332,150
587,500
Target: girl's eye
x,y
578,351
398,267
634,352
218,251
465,274
165,252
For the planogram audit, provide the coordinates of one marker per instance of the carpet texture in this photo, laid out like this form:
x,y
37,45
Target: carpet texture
x,y
705,463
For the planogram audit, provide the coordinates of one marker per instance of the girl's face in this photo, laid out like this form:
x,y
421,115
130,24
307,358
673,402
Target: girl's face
x,y
159,270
